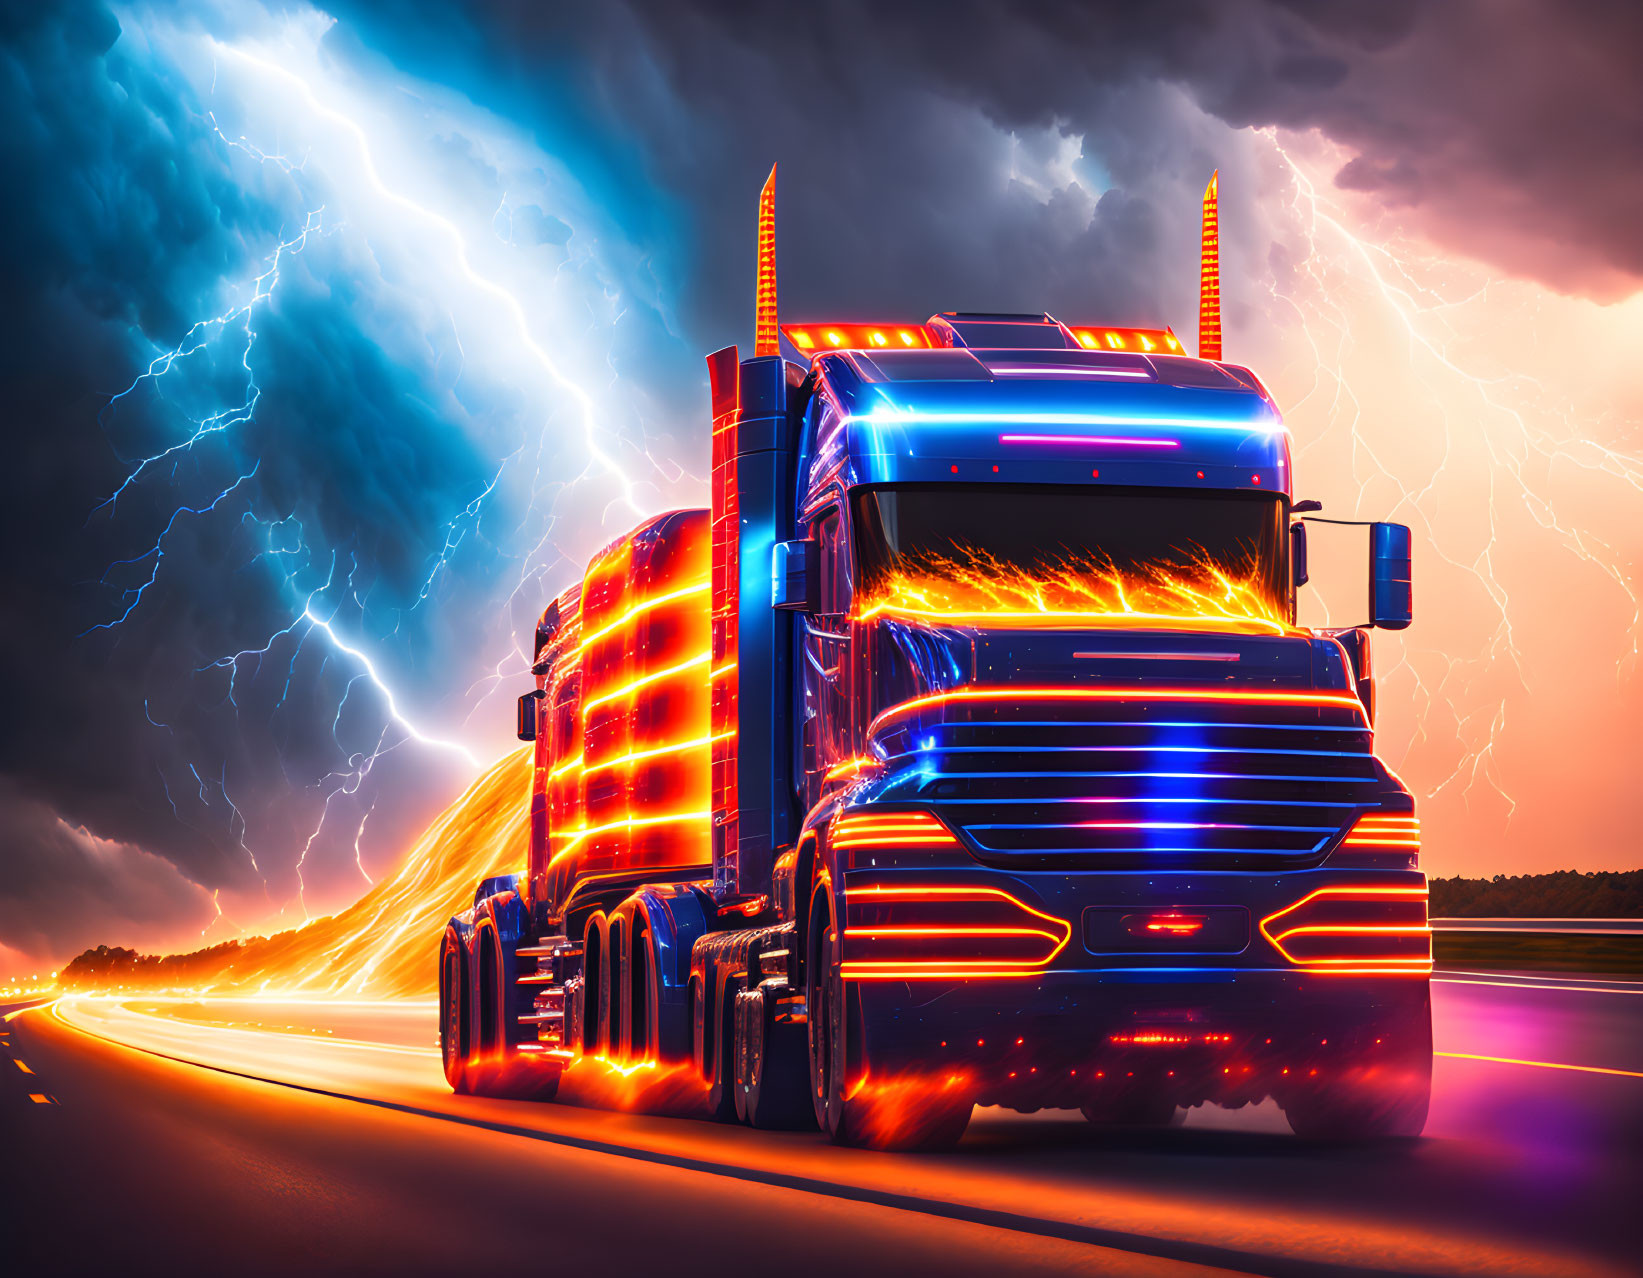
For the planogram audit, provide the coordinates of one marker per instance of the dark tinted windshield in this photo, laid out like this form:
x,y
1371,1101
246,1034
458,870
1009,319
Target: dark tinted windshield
x,y
981,553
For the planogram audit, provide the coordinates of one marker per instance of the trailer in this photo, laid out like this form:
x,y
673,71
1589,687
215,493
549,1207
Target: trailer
x,y
965,751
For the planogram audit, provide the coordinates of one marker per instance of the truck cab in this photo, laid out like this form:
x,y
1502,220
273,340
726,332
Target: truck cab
x,y
966,750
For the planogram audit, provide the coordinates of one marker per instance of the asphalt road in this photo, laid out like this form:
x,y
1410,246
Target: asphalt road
x,y
222,1136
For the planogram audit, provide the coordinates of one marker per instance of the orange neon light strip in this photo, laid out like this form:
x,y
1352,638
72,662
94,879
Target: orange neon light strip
x,y
1380,830
634,756
1358,964
891,829
902,969
644,681
627,823
643,606
1120,694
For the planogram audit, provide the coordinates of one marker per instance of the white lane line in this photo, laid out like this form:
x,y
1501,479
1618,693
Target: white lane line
x,y
1476,978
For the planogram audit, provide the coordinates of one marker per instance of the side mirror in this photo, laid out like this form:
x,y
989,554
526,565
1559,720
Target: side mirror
x,y
528,714
795,575
1297,554
1391,592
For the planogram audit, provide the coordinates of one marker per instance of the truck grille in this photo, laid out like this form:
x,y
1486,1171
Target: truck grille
x,y
1127,779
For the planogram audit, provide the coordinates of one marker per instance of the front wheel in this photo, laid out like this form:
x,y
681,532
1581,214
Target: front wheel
x,y
850,1106
453,1016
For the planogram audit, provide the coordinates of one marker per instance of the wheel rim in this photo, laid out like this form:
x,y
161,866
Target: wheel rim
x,y
450,1042
820,1017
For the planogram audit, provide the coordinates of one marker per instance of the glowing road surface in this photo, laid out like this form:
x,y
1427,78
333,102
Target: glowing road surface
x,y
320,1137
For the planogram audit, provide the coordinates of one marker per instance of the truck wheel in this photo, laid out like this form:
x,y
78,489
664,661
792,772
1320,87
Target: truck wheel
x,y
903,1114
771,1068
1376,1098
453,1016
720,1022
1340,1114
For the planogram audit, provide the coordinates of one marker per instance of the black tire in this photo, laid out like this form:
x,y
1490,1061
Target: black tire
x,y
908,1114
453,1015
772,1072
721,1078
1383,1095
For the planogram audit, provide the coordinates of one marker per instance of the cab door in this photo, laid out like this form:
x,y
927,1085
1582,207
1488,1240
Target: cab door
x,y
828,723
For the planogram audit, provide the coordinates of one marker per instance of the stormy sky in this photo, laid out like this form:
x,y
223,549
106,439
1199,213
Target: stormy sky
x,y
339,336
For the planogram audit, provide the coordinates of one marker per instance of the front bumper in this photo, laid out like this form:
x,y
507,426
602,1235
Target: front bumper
x,y
1227,1027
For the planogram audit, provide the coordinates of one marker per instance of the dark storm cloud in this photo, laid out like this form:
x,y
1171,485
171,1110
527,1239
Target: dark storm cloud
x,y
1502,128
127,218
59,884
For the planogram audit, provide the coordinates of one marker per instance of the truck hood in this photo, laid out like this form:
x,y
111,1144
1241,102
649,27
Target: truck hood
x,y
912,660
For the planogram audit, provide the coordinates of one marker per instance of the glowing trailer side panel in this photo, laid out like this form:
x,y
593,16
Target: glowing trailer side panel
x,y
628,715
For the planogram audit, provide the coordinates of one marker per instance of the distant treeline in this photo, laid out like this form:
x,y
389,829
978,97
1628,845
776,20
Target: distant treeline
x,y
1562,894
112,965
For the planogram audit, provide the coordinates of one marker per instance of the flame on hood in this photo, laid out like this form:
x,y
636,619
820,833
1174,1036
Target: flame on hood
x,y
1074,593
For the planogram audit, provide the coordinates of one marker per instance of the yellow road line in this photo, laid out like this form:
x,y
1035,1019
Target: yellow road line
x,y
1507,1060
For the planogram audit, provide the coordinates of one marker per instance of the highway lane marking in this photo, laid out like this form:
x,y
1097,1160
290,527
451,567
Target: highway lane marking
x,y
40,1098
1629,987
1507,1060
1183,1250
22,1067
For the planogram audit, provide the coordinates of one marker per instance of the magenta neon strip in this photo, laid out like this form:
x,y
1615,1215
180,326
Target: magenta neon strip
x,y
1152,825
1116,440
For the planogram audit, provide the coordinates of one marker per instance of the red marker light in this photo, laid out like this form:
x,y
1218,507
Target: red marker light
x,y
1255,479
1200,474
1165,923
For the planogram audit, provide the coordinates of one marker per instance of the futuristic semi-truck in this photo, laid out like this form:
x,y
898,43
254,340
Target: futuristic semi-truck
x,y
966,751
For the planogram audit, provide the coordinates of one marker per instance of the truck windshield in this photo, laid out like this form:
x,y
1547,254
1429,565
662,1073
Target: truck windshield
x,y
1049,555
